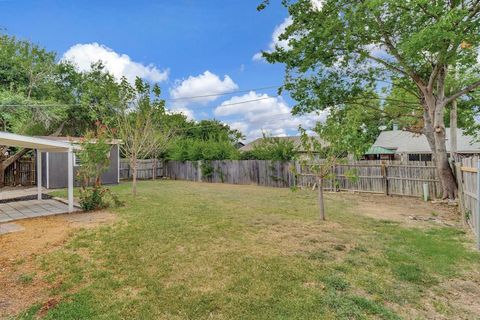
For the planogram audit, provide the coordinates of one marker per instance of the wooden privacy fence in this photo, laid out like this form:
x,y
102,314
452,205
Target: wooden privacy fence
x,y
21,172
259,172
146,169
468,178
391,178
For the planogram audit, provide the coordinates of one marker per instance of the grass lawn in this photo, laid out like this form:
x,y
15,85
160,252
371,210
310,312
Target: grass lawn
x,y
184,250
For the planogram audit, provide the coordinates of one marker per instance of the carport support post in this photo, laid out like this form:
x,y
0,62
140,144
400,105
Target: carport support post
x,y
70,180
39,174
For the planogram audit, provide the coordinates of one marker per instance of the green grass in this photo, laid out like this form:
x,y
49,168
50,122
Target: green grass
x,y
185,250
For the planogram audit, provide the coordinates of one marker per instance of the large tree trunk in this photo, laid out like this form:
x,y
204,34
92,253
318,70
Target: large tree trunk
x,y
449,185
434,107
445,173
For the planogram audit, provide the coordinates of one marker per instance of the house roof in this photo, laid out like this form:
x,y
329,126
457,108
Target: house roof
x,y
75,139
379,150
17,140
297,143
408,142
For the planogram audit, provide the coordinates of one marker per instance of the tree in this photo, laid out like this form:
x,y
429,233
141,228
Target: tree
x,y
351,128
322,168
340,52
272,148
203,140
135,124
94,155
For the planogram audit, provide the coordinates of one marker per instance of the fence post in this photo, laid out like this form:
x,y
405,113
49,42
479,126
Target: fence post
x,y
477,227
459,176
385,177
334,178
154,169
199,170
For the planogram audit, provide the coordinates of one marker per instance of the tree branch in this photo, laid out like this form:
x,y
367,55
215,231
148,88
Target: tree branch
x,y
393,50
465,90
433,77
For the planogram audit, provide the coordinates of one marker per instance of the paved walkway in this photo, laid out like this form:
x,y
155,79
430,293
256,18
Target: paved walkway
x,y
11,211
13,193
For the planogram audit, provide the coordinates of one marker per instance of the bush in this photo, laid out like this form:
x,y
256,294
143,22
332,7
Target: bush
x,y
272,149
188,149
98,197
94,157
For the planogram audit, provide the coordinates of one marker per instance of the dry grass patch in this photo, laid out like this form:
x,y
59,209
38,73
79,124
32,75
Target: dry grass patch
x,y
21,279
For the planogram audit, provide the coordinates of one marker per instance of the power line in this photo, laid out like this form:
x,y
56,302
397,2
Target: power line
x,y
246,101
174,99
222,94
287,117
58,105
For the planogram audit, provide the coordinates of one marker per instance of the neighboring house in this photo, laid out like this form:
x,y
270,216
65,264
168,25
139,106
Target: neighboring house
x,y
239,144
54,165
296,140
408,146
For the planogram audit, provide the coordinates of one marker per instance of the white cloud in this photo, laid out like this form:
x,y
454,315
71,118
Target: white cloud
x,y
185,111
206,83
276,42
83,55
317,4
254,113
280,29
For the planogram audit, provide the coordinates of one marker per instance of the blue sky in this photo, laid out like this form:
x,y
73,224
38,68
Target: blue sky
x,y
190,47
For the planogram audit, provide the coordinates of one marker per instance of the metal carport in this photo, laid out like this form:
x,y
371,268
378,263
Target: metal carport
x,y
42,145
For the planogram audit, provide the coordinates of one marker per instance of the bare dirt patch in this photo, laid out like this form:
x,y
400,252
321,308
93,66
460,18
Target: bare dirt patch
x,y
406,210
21,280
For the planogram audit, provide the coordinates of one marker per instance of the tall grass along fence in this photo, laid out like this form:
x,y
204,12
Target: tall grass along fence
x,y
468,178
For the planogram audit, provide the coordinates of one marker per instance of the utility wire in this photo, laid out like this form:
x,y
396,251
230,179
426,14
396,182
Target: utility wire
x,y
173,99
222,94
58,105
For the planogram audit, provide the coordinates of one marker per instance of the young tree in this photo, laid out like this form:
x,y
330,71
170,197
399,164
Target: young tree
x,y
135,125
340,50
94,155
322,168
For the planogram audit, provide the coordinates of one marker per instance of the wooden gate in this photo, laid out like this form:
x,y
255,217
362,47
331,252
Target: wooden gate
x,y
20,173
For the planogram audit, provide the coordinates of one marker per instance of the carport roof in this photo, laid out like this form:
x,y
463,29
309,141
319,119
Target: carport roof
x,y
17,140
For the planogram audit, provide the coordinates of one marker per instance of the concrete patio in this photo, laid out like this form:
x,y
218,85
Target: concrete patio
x,y
7,194
17,210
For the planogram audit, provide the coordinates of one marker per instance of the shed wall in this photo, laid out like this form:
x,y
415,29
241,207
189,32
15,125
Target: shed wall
x,y
58,173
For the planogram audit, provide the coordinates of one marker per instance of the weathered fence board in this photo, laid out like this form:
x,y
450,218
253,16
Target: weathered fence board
x,y
391,178
146,169
468,193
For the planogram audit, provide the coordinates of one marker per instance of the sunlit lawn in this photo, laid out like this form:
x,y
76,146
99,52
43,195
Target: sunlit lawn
x,y
184,250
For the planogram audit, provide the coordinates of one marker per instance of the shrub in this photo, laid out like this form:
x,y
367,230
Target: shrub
x,y
275,149
94,157
98,197
189,149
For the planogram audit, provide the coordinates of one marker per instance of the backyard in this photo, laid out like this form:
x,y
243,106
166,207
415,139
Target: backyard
x,y
186,250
